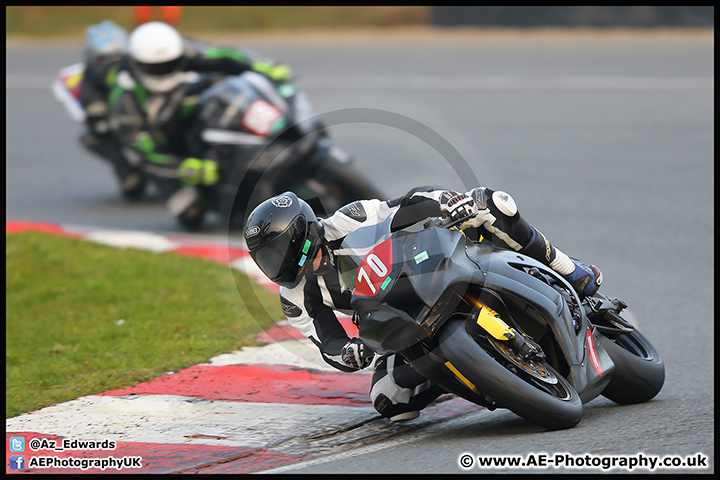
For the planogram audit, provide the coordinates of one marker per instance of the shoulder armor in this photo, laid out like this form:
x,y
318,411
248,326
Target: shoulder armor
x,y
355,210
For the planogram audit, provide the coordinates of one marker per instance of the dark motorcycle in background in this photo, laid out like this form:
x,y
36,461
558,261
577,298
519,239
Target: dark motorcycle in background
x,y
238,117
494,326
264,136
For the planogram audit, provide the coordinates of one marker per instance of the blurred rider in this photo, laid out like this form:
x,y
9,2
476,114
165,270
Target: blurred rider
x,y
299,252
105,45
152,102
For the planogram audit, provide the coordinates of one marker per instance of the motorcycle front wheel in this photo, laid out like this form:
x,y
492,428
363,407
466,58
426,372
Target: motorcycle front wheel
x,y
534,391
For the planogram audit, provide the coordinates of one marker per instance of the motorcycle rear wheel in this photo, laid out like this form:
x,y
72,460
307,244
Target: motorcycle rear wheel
x,y
553,404
639,369
342,184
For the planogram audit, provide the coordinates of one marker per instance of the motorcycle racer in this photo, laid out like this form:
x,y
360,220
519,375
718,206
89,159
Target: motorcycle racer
x,y
104,48
151,105
301,253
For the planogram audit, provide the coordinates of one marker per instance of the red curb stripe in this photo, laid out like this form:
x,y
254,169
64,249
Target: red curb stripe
x,y
259,383
278,333
22,226
273,288
156,458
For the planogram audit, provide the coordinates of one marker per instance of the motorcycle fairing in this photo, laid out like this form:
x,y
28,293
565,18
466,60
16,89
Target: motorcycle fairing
x,y
66,88
507,274
451,265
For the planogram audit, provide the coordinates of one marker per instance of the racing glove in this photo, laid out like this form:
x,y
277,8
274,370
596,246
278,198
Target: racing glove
x,y
194,171
277,72
356,354
456,205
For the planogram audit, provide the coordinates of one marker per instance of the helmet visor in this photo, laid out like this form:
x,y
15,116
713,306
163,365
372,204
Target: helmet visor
x,y
282,257
159,69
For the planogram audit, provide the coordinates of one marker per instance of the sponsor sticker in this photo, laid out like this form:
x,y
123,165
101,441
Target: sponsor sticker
x,y
421,257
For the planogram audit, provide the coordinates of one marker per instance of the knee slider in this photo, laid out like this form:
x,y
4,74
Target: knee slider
x,y
382,403
384,406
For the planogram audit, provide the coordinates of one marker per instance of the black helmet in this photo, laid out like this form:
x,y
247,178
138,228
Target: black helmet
x,y
282,234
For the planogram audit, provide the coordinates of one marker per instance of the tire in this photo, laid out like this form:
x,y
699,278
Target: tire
x,y
135,192
355,184
345,184
639,369
192,219
553,406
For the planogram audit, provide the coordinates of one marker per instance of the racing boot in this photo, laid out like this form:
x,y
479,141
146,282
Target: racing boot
x,y
585,279
133,185
185,204
132,181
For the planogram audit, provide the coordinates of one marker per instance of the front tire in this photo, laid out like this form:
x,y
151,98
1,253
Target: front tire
x,y
133,187
192,219
553,403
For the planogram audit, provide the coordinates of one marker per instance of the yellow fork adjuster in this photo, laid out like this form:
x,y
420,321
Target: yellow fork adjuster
x,y
488,320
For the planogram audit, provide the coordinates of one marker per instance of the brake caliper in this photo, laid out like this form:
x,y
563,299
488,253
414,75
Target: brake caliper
x,y
523,345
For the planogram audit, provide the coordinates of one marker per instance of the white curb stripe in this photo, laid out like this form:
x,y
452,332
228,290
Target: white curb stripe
x,y
296,353
172,419
129,239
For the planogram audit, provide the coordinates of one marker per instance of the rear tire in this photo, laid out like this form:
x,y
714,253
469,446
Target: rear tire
x,y
552,405
345,184
639,369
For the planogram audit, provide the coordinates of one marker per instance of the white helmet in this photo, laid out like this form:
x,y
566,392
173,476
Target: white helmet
x,y
156,54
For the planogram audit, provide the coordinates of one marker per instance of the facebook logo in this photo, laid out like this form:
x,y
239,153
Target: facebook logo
x,y
17,444
17,462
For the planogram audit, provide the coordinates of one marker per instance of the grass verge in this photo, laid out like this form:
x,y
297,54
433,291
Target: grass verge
x,y
82,318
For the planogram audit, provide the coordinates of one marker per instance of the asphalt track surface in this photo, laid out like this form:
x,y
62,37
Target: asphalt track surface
x,y
606,144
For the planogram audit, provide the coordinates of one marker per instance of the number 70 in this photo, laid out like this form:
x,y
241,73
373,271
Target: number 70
x,y
377,266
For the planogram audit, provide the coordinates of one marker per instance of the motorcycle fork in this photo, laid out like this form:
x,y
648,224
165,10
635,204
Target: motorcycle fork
x,y
490,321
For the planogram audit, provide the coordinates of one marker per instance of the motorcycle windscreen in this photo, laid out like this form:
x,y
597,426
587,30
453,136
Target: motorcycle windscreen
x,y
434,259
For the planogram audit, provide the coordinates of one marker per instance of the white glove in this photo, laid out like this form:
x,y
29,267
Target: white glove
x,y
480,204
356,354
457,205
